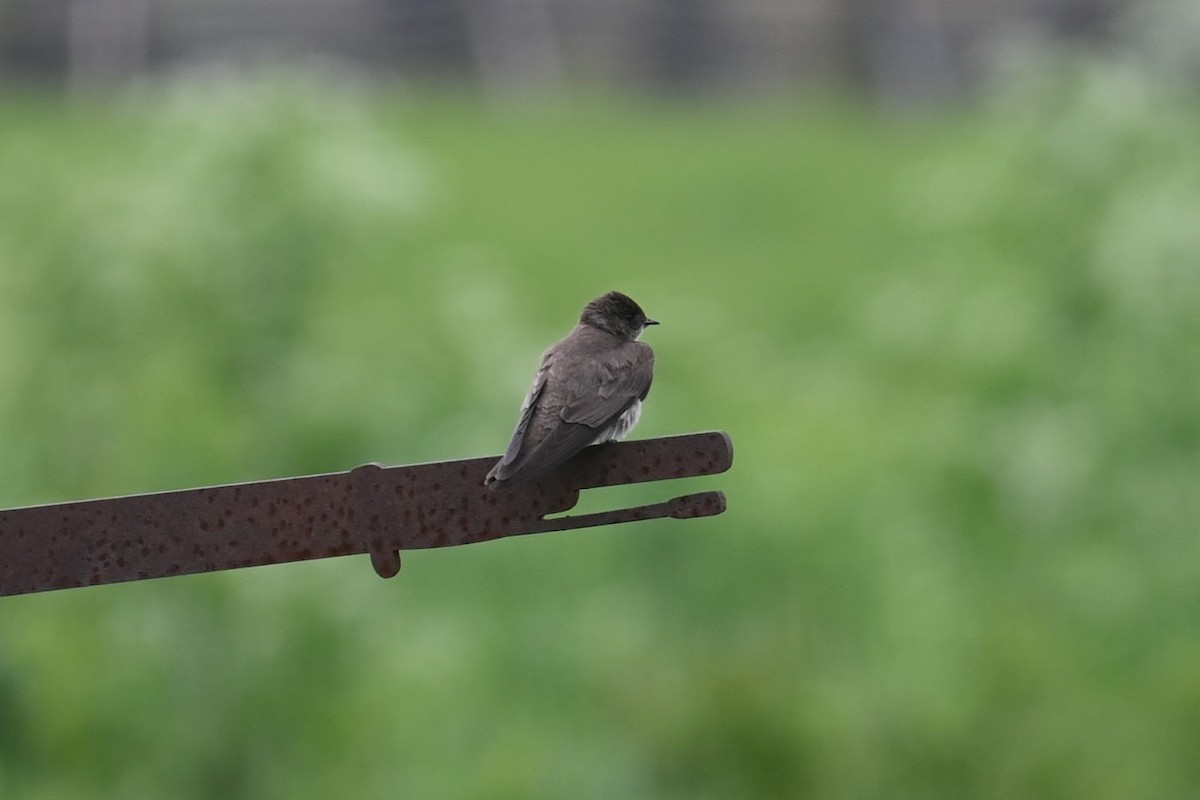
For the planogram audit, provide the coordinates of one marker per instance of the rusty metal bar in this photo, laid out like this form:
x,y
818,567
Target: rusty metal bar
x,y
371,509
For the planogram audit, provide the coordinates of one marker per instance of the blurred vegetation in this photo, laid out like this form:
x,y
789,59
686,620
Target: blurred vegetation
x,y
957,355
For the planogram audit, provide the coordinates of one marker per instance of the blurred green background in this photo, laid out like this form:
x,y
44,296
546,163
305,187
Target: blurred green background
x,y
957,353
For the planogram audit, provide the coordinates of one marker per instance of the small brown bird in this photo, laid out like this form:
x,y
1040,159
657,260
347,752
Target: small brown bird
x,y
589,389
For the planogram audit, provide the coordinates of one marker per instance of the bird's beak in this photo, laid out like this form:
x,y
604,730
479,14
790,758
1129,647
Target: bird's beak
x,y
651,322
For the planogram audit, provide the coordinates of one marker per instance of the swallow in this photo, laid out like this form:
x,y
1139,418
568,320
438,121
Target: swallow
x,y
588,390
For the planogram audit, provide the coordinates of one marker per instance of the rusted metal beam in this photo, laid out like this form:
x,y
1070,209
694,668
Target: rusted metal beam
x,y
371,509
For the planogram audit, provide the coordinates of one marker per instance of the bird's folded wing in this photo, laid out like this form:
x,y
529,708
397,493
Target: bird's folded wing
x,y
624,381
563,442
527,411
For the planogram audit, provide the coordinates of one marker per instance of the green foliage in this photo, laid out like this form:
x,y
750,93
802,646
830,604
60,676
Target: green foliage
x,y
957,358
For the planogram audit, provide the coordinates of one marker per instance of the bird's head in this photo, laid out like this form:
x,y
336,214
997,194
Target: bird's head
x,y
618,314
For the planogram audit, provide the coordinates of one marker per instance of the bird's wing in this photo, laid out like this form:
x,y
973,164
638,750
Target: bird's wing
x,y
528,408
622,379
563,442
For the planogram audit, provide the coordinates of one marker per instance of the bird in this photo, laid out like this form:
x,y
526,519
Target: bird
x,y
588,389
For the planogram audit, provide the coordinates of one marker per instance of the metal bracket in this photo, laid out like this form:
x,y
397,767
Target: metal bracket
x,y
371,509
